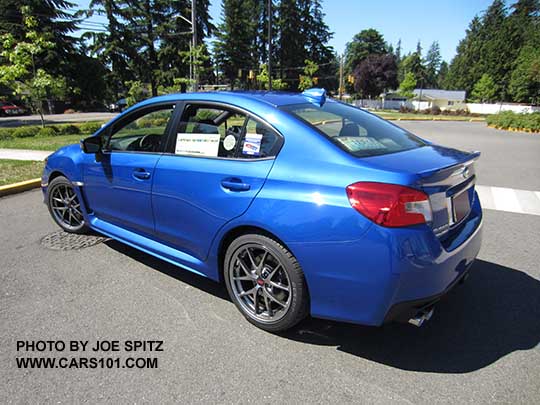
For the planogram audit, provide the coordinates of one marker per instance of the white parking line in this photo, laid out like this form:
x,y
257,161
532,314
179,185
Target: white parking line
x,y
510,200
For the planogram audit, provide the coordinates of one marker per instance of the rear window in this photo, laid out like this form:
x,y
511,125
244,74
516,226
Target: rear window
x,y
353,130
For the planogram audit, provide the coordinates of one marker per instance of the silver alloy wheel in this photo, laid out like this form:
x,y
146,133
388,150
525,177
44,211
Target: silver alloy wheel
x,y
260,283
66,207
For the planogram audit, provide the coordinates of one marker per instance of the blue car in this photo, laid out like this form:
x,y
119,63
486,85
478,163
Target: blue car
x,y
299,203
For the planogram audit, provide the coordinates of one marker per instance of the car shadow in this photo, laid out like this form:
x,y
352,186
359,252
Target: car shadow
x,y
185,276
494,313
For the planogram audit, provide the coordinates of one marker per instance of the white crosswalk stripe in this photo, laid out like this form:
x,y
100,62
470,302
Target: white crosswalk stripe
x,y
510,200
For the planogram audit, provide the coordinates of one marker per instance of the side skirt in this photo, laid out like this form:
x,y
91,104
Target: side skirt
x,y
151,247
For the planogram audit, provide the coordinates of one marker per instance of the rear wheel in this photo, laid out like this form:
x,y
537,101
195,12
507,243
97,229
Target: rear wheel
x,y
65,207
265,282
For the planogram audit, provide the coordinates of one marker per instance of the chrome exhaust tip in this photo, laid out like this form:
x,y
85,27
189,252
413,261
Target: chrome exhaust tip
x,y
422,316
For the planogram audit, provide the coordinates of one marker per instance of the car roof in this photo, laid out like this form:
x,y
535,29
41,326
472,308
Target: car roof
x,y
273,98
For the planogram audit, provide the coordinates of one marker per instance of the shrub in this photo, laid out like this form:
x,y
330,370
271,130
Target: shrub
x,y
405,109
5,133
25,132
46,132
435,110
70,111
68,129
511,120
89,127
159,122
426,111
144,123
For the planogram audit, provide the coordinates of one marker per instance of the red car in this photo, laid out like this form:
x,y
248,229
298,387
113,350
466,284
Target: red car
x,y
10,109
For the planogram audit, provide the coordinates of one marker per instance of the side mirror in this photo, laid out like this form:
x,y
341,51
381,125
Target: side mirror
x,y
91,144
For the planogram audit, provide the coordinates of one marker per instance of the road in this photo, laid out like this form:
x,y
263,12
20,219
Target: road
x,y
55,119
481,346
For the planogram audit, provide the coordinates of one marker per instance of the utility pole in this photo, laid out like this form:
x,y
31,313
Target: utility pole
x,y
269,45
194,45
341,77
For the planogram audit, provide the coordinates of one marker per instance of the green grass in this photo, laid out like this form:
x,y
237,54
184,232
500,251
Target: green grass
x,y
410,116
13,171
41,143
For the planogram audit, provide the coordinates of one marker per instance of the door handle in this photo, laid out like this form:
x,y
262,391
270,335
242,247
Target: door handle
x,y
141,174
235,185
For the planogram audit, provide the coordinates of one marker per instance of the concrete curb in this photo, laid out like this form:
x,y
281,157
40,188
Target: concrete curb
x,y
512,129
19,187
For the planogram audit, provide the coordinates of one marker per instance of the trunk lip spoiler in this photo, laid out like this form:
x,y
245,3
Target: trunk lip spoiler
x,y
470,159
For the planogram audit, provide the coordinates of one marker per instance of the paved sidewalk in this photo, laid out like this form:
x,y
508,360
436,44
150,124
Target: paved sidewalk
x,y
21,154
55,118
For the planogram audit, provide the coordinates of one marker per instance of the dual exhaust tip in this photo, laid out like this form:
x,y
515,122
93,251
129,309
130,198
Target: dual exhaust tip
x,y
421,317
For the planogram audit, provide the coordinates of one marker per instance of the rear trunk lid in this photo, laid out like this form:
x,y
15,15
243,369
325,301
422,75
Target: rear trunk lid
x,y
447,175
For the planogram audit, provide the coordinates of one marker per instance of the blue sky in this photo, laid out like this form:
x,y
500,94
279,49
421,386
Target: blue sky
x,y
412,20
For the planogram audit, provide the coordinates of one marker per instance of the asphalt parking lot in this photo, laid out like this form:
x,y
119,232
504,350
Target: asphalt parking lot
x,y
481,346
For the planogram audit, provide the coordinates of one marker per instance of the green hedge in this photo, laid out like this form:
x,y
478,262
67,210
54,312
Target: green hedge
x,y
27,131
510,120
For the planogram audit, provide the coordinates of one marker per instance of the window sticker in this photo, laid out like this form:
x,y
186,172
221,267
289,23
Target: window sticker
x,y
197,144
252,144
229,142
357,143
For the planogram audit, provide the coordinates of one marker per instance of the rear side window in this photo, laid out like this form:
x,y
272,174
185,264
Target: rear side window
x,y
208,131
353,130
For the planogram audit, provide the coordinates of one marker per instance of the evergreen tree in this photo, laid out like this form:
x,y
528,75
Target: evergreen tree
x,y
234,46
52,18
317,35
145,38
291,41
525,80
413,63
433,64
366,42
497,51
492,45
442,76
464,70
485,89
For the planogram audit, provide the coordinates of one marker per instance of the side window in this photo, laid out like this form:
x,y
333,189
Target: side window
x,y
209,131
259,141
145,132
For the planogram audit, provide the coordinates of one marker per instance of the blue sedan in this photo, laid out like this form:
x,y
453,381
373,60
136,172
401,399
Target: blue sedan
x,y
300,204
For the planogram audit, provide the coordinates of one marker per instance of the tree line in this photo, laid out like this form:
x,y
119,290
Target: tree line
x,y
144,48
498,60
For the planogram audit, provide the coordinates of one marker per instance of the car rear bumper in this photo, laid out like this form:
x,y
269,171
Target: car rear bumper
x,y
388,273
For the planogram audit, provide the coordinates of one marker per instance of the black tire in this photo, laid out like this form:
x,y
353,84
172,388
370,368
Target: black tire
x,y
65,214
297,298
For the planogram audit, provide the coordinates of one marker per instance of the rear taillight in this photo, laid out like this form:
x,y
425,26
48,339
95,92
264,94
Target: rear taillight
x,y
390,205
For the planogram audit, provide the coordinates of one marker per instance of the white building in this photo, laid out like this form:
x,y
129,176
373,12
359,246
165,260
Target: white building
x,y
444,99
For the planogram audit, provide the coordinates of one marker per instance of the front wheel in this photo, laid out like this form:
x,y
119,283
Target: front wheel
x,y
65,207
265,282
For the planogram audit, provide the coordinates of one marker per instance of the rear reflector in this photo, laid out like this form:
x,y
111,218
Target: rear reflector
x,y
390,205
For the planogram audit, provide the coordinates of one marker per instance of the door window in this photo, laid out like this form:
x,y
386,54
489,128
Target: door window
x,y
219,132
209,132
144,132
259,141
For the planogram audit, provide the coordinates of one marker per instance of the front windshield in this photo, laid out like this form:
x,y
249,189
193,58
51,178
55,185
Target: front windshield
x,y
360,133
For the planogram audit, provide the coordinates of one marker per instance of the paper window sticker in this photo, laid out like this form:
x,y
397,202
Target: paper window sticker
x,y
252,144
197,144
229,142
